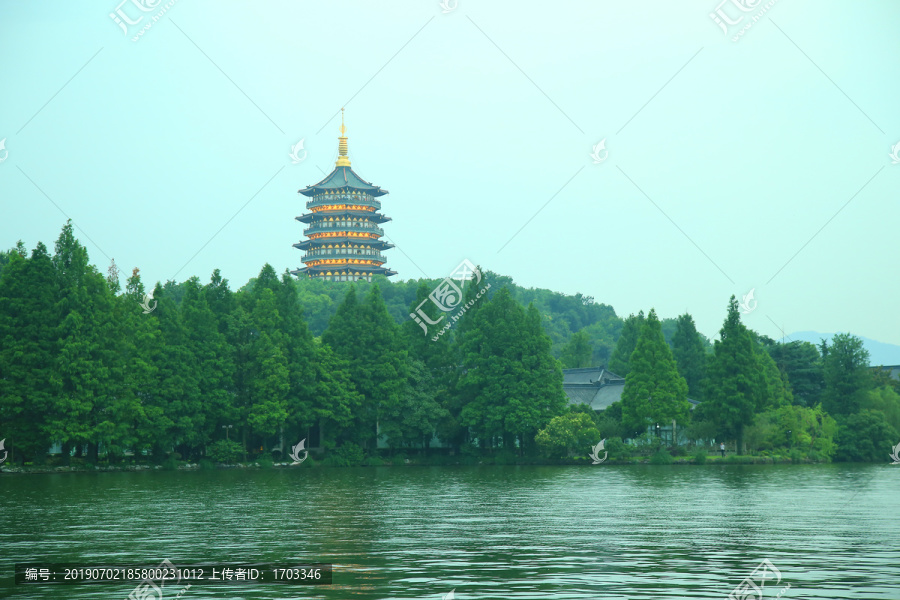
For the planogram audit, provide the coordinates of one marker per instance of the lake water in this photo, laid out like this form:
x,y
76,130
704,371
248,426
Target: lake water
x,y
554,533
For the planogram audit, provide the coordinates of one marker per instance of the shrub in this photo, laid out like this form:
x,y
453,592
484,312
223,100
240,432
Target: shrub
x,y
678,451
373,461
225,451
348,454
265,462
700,457
170,464
661,458
505,458
566,435
470,449
618,450
206,464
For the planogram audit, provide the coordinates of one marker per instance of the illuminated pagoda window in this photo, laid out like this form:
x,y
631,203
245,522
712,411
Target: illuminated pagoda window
x,y
343,238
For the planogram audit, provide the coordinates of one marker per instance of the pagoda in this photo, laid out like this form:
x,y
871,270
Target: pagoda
x,y
344,238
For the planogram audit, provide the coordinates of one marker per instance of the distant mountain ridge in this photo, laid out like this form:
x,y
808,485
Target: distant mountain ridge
x,y
880,353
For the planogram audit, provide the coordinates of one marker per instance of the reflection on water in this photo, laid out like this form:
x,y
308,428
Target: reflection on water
x,y
554,533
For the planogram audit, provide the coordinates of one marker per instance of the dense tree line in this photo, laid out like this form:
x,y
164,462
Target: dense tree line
x,y
85,364
762,396
198,370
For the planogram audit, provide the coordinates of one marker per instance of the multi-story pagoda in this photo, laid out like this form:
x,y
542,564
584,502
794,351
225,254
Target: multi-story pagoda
x,y
344,238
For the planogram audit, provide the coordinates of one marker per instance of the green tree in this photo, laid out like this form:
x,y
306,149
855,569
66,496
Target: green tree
x,y
300,352
7,256
419,332
865,436
846,375
269,387
438,358
336,399
567,434
654,391
28,322
577,352
512,384
887,401
269,376
459,394
788,428
777,388
734,389
690,354
212,358
413,421
129,341
88,370
619,362
802,364
175,407
367,337
139,347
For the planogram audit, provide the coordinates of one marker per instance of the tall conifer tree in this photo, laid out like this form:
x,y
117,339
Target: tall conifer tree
x,y
689,353
654,391
621,356
28,324
846,374
577,352
735,388
511,381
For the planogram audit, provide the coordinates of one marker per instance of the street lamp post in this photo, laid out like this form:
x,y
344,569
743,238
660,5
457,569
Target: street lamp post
x,y
226,428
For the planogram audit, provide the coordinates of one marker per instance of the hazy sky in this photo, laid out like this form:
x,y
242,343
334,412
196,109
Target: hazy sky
x,y
758,164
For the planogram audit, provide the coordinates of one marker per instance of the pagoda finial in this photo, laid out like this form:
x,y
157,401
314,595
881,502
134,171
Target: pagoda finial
x,y
342,160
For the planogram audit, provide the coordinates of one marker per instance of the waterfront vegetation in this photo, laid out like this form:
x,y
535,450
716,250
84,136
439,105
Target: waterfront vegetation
x,y
214,376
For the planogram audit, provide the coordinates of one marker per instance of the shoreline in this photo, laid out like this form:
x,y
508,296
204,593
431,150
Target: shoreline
x,y
586,462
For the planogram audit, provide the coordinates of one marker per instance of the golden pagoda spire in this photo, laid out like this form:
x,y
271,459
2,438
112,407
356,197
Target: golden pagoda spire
x,y
342,160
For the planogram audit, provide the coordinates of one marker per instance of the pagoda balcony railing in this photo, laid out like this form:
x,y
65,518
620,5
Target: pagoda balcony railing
x,y
351,253
342,199
329,226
